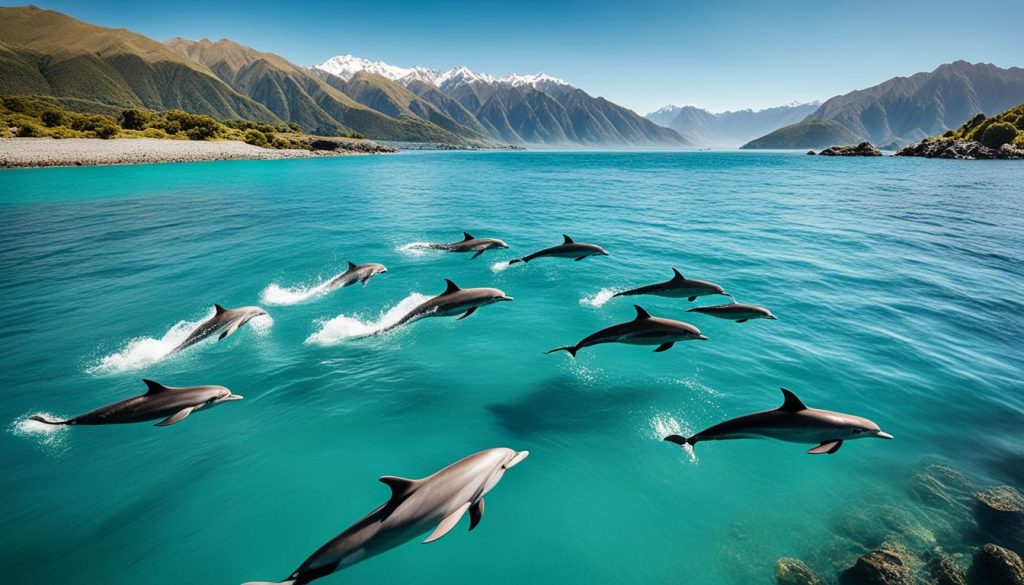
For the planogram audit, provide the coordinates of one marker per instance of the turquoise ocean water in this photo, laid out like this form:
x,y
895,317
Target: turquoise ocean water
x,y
897,283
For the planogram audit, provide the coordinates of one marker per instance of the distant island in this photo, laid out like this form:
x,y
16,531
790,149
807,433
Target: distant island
x,y
996,137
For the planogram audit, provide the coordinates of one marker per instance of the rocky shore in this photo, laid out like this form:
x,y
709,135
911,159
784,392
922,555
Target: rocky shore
x,y
49,152
862,149
961,149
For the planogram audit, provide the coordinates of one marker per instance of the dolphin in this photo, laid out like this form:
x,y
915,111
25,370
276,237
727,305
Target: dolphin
x,y
737,312
677,287
793,422
643,330
453,301
225,321
567,249
470,244
416,506
160,402
356,273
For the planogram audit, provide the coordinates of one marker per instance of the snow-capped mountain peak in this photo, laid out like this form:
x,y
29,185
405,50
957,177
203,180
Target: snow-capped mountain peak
x,y
346,66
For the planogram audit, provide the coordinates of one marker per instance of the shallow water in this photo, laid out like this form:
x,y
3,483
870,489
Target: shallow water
x,y
897,283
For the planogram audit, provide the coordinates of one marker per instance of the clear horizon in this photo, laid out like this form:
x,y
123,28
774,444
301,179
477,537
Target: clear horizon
x,y
729,56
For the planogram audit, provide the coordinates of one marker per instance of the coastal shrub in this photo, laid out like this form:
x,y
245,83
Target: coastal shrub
x,y
53,118
155,133
135,119
256,138
30,130
107,131
998,134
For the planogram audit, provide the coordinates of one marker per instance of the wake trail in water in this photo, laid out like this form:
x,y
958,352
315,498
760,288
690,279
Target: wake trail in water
x,y
417,248
344,327
598,299
277,295
51,438
664,425
141,352
500,266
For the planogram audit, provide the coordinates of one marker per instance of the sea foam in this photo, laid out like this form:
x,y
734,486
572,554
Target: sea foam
x,y
663,425
416,248
51,438
598,299
343,327
277,295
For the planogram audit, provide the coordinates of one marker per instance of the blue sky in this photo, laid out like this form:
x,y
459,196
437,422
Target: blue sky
x,y
640,54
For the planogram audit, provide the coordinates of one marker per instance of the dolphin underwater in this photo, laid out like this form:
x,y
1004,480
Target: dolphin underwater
x,y
436,502
677,287
225,321
356,273
737,312
170,404
567,249
470,244
453,301
643,330
793,422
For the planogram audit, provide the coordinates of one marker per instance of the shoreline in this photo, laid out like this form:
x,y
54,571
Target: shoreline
x,y
26,153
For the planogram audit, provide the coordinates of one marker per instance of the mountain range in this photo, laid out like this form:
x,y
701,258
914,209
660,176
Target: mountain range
x,y
904,109
729,129
95,69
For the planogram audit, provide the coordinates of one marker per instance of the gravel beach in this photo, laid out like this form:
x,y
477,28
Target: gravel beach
x,y
49,152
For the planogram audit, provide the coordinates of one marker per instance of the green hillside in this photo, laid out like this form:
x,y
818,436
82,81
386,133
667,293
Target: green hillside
x,y
992,131
47,53
807,134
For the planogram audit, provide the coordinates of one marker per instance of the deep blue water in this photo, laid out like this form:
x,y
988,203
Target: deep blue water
x,y
897,283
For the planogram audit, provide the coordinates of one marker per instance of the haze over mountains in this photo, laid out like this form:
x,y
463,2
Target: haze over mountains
x,y
728,129
905,109
97,69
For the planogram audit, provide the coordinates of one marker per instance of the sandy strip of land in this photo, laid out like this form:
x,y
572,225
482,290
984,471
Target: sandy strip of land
x,y
50,152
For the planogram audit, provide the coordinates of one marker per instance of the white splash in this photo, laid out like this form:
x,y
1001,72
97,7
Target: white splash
x,y
144,351
261,325
500,266
52,438
343,327
417,248
598,299
663,425
279,295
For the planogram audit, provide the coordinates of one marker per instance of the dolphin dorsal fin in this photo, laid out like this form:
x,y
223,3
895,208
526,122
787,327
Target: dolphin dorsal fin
x,y
466,237
400,486
452,287
351,265
568,240
219,309
677,275
791,402
154,387
641,313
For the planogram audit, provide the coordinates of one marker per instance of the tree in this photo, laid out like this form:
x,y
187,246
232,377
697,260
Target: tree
x,y
52,118
998,134
135,119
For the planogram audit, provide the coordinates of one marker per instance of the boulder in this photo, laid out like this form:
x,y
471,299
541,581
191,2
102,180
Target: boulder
x,y
889,564
995,565
794,572
943,570
1000,514
811,153
862,149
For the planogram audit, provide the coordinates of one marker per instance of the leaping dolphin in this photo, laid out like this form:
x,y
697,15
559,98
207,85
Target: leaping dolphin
x,y
416,506
677,287
470,244
567,249
737,312
356,273
453,301
170,404
643,330
793,422
224,321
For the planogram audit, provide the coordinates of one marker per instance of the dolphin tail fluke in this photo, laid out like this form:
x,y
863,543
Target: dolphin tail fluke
x,y
572,349
47,420
679,440
625,293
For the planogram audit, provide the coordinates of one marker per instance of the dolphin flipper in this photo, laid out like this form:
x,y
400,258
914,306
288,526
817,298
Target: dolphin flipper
x,y
229,330
467,314
476,513
741,320
691,299
477,255
829,447
664,346
176,417
580,258
448,523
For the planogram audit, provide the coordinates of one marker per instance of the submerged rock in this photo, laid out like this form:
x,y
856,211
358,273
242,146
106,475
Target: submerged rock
x,y
869,525
940,486
961,149
862,149
995,565
889,564
794,572
943,570
1000,513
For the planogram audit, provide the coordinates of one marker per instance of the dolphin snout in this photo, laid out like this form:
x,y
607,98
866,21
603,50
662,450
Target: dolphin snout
x,y
883,435
232,397
506,298
702,337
